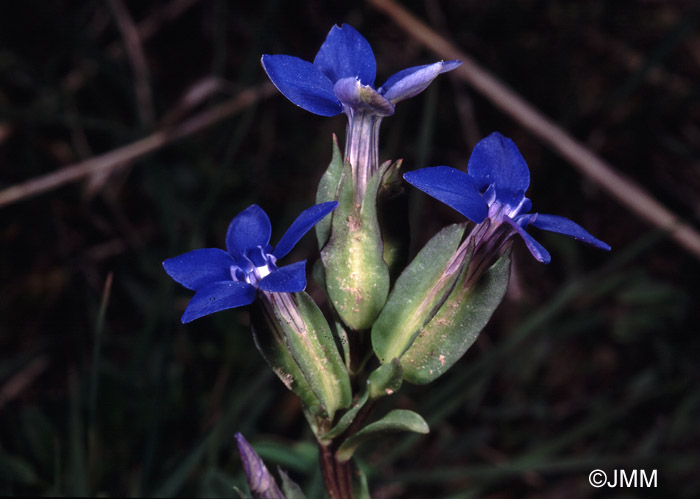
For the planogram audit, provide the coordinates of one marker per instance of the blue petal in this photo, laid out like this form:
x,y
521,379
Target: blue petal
x,y
200,267
302,83
301,226
346,53
562,225
537,250
353,94
218,296
453,187
496,160
287,279
248,229
412,81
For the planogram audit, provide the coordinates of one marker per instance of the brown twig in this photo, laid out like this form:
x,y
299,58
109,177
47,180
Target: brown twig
x,y
146,29
137,60
127,153
624,189
330,478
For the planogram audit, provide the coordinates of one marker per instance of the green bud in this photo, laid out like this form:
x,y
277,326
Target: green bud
x,y
305,356
419,291
457,323
357,277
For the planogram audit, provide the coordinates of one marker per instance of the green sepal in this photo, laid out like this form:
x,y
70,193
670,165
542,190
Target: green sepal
x,y
274,350
419,291
456,325
327,191
300,348
346,419
397,420
290,488
357,278
315,352
385,380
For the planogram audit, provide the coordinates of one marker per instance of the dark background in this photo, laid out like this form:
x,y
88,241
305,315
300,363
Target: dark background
x,y
591,362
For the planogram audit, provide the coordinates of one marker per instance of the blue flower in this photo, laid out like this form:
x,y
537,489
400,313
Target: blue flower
x,y
228,279
493,192
341,79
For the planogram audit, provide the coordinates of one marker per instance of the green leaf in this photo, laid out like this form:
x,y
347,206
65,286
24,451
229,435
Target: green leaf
x,y
290,488
397,420
456,325
346,420
385,380
327,191
419,291
357,278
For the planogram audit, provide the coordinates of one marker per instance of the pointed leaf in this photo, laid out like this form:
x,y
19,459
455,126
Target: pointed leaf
x,y
327,191
290,488
418,292
396,421
456,325
346,420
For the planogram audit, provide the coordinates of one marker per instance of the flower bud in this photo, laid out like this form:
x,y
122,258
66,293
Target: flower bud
x,y
295,339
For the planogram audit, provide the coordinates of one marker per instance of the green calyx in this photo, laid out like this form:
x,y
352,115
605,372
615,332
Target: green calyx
x,y
357,277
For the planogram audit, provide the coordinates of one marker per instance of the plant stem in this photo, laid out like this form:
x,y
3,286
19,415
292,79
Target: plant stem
x,y
328,469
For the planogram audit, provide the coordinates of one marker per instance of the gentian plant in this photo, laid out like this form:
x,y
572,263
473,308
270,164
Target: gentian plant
x,y
388,322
